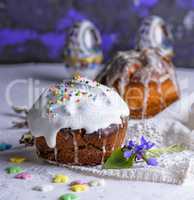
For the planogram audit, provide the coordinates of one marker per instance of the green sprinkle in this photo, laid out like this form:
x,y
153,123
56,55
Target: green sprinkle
x,y
14,170
69,196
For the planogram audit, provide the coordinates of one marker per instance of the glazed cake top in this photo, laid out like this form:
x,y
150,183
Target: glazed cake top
x,y
77,104
137,66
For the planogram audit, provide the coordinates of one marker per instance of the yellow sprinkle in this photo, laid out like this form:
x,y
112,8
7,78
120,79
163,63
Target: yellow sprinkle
x,y
79,188
60,178
17,159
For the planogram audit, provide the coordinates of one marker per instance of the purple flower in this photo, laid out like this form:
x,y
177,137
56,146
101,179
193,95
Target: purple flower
x,y
131,144
139,155
139,151
127,154
146,144
152,161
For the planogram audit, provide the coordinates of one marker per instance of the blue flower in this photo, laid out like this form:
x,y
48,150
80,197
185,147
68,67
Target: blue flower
x,y
152,161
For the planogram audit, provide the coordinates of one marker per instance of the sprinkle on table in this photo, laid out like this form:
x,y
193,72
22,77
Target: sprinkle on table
x,y
69,196
14,170
5,146
17,159
79,188
43,188
77,182
96,183
60,178
24,176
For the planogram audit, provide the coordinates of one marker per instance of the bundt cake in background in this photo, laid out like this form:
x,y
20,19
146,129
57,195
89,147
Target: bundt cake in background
x,y
145,77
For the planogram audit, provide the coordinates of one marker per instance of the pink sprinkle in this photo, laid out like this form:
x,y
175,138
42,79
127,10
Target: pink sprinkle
x,y
23,175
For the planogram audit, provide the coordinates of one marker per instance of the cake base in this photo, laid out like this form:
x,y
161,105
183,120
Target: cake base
x,y
147,102
79,148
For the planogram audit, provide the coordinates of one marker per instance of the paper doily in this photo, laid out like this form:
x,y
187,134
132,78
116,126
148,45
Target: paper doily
x,y
173,168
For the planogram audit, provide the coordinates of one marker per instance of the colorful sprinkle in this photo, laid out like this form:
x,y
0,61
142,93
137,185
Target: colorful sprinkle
x,y
14,170
60,178
17,159
4,146
62,93
96,183
79,188
69,197
23,175
43,188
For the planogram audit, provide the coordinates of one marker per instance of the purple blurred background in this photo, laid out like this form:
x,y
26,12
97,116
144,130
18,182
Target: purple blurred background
x,y
34,30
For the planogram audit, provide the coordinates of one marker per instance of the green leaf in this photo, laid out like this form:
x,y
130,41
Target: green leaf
x,y
171,149
117,161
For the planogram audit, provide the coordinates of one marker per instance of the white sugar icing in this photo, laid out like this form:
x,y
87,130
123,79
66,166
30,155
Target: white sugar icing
x,y
77,104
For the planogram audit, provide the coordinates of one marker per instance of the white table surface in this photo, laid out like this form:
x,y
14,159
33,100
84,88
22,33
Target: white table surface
x,y
13,189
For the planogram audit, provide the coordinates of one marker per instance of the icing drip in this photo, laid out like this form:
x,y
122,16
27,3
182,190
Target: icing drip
x,y
145,99
159,90
76,104
116,137
103,150
75,149
155,67
55,153
123,65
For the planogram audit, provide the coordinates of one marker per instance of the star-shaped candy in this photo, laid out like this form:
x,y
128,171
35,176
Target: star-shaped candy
x,y
5,146
60,178
79,188
23,175
69,197
14,170
17,159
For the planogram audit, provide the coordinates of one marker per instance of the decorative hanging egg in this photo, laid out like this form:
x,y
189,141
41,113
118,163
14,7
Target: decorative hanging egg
x,y
83,46
155,33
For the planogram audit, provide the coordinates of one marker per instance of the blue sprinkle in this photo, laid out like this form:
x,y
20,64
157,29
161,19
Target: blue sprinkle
x,y
4,146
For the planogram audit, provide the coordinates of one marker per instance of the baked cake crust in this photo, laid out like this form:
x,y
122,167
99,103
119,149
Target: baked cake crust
x,y
78,148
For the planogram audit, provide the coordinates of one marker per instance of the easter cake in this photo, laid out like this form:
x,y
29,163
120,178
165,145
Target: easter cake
x,y
78,122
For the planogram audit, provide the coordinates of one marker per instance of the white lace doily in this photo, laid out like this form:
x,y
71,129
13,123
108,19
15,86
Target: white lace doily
x,y
173,168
